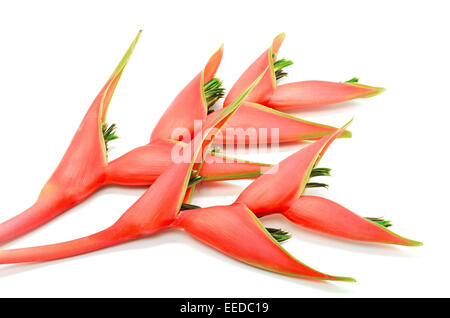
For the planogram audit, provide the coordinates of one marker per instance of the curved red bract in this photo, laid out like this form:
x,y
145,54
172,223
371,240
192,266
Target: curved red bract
x,y
316,93
189,105
255,124
265,195
323,215
81,171
234,231
143,165
265,88
295,95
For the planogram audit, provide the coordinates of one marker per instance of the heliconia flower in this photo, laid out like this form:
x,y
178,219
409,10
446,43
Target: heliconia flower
x,y
255,124
82,168
235,231
328,217
294,95
155,210
280,190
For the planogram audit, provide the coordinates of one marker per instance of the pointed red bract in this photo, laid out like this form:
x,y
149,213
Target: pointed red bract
x,y
236,232
255,124
219,167
155,210
282,185
328,217
317,93
295,95
143,165
265,88
189,105
80,172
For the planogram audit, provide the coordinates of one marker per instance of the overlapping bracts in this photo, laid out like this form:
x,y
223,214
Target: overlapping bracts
x,y
254,103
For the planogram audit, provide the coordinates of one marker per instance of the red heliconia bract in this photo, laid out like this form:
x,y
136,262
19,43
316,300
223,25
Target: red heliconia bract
x,y
235,231
318,93
255,124
323,215
265,89
81,171
281,188
154,211
263,196
294,95
189,105
143,165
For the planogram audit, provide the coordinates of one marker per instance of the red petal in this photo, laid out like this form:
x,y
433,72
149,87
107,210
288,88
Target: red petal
x,y
143,165
264,90
328,217
80,172
282,185
154,211
317,93
189,105
256,124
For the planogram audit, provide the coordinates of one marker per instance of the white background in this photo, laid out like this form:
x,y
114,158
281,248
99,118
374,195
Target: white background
x,y
56,56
